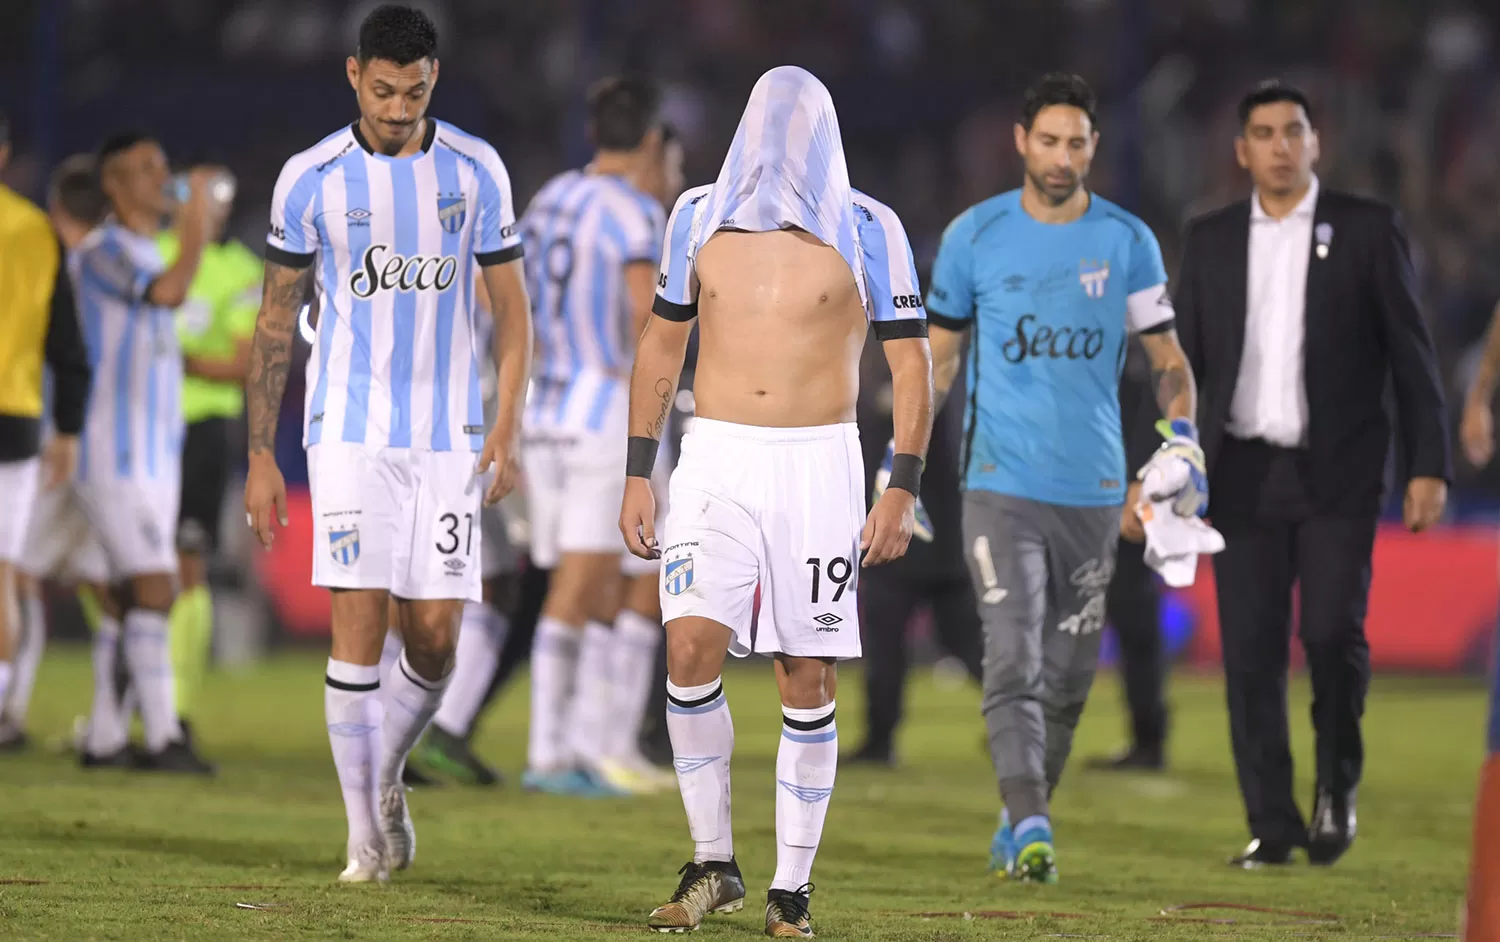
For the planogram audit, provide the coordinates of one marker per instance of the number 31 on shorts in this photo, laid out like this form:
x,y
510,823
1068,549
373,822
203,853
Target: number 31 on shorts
x,y
454,533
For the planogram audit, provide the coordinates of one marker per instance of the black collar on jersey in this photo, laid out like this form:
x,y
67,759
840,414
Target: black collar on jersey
x,y
428,136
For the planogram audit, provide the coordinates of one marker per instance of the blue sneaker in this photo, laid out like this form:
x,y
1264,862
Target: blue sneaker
x,y
1003,847
1035,859
573,783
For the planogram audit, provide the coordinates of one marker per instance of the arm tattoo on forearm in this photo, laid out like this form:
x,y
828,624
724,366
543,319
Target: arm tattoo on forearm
x,y
271,352
664,393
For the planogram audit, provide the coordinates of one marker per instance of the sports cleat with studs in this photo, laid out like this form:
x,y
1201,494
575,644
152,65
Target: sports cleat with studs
x,y
366,865
787,916
395,825
1035,863
712,886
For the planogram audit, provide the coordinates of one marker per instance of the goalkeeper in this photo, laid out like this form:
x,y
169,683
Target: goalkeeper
x,y
1051,279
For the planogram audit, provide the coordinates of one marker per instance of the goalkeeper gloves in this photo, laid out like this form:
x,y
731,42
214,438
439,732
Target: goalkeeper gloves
x,y
1177,471
922,530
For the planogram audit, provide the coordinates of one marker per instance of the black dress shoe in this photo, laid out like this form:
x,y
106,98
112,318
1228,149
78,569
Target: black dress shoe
x,y
1332,828
176,757
1261,853
1135,759
871,754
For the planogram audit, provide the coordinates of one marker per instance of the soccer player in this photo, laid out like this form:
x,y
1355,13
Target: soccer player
x,y
130,464
593,240
386,219
785,267
58,541
214,327
38,326
1052,279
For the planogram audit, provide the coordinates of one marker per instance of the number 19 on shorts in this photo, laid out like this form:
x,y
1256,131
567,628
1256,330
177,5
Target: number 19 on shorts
x,y
838,572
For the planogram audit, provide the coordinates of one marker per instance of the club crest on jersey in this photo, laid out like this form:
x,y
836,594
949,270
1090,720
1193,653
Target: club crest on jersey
x,y
677,575
1093,276
344,545
451,213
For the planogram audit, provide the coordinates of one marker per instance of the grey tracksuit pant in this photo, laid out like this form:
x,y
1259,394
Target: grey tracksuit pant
x,y
1040,573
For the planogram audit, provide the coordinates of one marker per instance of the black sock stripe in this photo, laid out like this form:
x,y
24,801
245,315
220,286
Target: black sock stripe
x,y
424,684
805,725
340,685
718,689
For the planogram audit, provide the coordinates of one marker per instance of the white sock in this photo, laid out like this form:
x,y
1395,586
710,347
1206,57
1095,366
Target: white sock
x,y
410,701
702,734
150,667
554,661
805,766
107,732
390,653
28,657
589,714
481,635
636,640
353,710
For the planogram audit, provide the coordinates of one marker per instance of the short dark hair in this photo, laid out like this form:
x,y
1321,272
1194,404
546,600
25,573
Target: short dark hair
x,y
398,34
622,109
1269,92
119,143
1059,88
75,187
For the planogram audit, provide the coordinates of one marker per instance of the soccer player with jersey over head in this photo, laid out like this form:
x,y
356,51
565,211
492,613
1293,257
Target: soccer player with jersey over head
x,y
785,268
385,219
1052,280
593,242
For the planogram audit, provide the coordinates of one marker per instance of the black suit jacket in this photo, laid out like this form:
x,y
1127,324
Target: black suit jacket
x,y
1364,336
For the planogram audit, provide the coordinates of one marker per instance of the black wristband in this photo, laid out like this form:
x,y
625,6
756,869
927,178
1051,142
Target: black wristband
x,y
640,456
906,473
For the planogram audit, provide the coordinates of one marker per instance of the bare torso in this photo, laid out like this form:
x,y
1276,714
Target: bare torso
x,y
780,331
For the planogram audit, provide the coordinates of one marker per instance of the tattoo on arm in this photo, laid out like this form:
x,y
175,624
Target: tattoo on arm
x,y
664,393
271,350
1171,383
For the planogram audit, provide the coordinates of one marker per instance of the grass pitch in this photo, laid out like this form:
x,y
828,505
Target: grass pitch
x,y
118,855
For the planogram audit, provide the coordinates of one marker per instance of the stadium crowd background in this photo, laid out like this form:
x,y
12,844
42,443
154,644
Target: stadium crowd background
x,y
1407,96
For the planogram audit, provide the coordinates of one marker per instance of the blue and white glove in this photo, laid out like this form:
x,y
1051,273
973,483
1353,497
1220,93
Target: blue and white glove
x,y
1181,475
922,530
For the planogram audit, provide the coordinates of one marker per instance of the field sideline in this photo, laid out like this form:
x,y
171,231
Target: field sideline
x,y
112,855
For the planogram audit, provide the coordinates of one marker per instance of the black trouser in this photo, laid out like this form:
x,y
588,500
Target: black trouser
x,y
888,601
1272,540
1133,607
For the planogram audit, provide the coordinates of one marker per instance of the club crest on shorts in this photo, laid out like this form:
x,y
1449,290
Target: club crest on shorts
x,y
678,575
343,545
451,213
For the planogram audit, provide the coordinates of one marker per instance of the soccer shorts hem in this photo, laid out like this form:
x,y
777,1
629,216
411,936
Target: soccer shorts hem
x,y
776,511
403,520
135,521
575,482
19,481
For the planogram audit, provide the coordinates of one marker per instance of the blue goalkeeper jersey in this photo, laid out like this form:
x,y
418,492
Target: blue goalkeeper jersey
x,y
1051,307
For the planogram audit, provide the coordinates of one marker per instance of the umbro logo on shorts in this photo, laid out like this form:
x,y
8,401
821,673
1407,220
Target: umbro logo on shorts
x,y
827,621
455,567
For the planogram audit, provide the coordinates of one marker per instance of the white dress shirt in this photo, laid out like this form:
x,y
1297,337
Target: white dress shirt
x,y
1270,394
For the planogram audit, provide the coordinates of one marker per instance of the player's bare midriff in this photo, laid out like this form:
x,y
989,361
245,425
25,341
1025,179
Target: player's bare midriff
x,y
780,331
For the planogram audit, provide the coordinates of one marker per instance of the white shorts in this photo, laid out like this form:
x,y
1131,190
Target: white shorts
x,y
135,521
575,482
60,543
401,519
18,482
779,509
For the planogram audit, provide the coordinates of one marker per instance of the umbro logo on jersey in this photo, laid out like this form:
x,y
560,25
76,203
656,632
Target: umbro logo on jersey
x,y
358,216
384,270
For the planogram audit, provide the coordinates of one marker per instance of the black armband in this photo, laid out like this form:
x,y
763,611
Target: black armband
x,y
640,456
906,473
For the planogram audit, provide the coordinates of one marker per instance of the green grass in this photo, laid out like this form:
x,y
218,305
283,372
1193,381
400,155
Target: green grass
x,y
116,855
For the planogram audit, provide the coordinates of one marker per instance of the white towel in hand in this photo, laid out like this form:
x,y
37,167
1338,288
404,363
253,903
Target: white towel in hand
x,y
1173,543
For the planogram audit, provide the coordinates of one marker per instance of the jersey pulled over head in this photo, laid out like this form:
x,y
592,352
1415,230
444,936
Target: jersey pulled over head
x,y
785,168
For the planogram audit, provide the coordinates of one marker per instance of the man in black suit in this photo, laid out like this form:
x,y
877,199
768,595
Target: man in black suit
x,y
1298,310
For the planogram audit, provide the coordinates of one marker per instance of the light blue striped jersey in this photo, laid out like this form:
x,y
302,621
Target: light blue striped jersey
x,y
134,427
886,276
395,240
581,230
